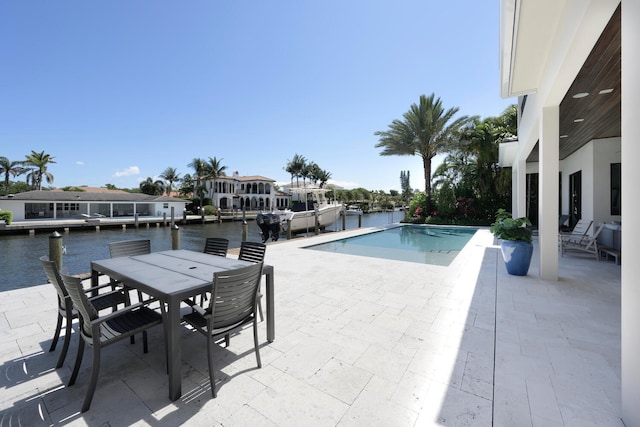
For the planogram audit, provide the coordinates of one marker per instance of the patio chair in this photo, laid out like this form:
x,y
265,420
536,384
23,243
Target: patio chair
x,y
580,230
254,252
234,297
216,246
587,243
100,331
130,248
67,312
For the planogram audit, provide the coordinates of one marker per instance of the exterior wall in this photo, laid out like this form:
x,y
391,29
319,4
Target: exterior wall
x,y
606,152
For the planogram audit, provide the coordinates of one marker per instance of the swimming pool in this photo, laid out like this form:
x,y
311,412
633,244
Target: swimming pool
x,y
424,244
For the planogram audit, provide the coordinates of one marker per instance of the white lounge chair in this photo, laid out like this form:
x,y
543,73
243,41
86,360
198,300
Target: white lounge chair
x,y
586,243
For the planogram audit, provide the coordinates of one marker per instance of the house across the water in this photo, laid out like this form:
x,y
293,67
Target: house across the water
x,y
94,203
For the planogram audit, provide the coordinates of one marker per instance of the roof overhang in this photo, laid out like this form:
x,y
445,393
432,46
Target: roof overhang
x,y
527,30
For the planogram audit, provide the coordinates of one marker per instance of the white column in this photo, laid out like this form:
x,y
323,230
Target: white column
x,y
521,195
548,192
630,299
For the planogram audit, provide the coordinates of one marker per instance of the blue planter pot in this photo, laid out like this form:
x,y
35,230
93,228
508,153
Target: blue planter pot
x,y
517,256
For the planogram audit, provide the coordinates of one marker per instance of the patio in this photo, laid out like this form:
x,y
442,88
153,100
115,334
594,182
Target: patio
x,y
359,341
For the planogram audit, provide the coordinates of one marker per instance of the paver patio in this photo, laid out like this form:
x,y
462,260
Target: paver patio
x,y
359,341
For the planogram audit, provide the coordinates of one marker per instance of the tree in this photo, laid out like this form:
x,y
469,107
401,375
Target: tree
x,y
295,167
170,175
154,188
472,168
186,186
200,167
405,186
215,169
9,168
427,129
39,161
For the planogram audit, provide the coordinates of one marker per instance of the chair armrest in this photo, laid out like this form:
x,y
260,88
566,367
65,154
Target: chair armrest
x,y
104,294
96,288
121,311
201,311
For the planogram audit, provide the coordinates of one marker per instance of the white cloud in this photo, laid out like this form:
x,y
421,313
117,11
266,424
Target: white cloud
x,y
80,163
131,170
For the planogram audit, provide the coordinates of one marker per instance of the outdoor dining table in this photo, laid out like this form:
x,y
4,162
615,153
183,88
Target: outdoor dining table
x,y
171,277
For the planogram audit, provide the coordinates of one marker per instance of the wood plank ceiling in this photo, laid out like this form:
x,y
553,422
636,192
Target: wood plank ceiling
x,y
600,112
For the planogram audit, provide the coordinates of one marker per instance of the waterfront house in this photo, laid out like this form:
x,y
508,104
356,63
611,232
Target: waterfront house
x,y
253,193
96,203
574,67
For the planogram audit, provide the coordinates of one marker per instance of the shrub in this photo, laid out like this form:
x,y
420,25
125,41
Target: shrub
x,y
209,210
6,216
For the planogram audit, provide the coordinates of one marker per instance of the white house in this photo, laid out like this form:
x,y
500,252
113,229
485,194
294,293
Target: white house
x,y
245,192
574,66
57,204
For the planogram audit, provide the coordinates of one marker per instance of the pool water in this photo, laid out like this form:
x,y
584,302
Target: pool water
x,y
424,244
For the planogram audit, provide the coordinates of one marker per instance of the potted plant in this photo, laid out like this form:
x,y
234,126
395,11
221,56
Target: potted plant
x,y
515,245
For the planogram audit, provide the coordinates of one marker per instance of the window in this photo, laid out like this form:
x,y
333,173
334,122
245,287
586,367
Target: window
x,y
165,205
616,186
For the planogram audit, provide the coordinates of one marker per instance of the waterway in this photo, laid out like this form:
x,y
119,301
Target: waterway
x,y
19,254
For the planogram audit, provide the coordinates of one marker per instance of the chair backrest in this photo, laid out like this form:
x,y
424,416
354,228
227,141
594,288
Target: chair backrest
x,y
51,270
582,228
234,295
87,311
216,246
252,251
130,248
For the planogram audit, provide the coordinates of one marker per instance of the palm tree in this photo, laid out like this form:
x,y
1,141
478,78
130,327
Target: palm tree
x,y
39,161
200,167
295,167
154,188
215,170
427,129
170,175
186,186
9,168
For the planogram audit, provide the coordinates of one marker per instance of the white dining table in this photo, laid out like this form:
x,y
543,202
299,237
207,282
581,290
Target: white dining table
x,y
172,277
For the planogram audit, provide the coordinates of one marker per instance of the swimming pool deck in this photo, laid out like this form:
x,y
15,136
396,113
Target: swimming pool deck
x,y
359,341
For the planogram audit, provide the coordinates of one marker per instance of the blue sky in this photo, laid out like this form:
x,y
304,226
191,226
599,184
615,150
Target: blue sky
x,y
119,90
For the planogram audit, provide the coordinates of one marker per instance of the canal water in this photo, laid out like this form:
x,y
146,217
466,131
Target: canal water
x,y
19,254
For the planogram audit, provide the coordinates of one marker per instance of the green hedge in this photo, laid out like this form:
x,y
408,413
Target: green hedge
x,y
6,216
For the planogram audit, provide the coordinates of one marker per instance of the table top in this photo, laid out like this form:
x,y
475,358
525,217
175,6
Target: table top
x,y
174,273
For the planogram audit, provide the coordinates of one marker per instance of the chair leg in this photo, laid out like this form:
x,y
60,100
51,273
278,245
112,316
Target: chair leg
x,y
76,366
95,369
255,342
65,346
260,308
145,345
57,333
212,378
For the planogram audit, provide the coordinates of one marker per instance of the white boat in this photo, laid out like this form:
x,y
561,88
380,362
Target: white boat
x,y
311,203
353,210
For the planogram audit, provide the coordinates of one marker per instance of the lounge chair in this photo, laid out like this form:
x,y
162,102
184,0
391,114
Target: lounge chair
x,y
580,230
233,303
586,243
66,310
100,331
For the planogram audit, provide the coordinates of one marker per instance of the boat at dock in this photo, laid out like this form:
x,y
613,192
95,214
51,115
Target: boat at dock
x,y
311,207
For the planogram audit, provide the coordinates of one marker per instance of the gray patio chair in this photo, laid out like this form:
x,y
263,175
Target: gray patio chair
x,y
216,246
234,297
100,331
67,312
254,252
130,248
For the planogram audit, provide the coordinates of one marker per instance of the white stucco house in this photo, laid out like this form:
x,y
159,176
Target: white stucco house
x,y
253,193
573,66
57,204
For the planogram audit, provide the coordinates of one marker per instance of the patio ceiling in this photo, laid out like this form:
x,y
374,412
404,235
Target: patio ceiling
x,y
596,115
